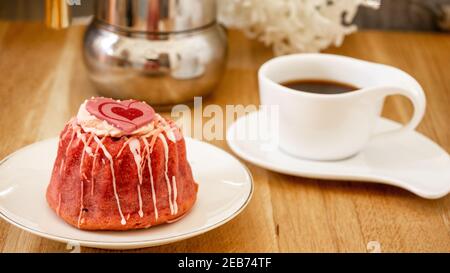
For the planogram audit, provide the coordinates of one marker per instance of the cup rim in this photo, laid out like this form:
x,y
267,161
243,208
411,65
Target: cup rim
x,y
360,91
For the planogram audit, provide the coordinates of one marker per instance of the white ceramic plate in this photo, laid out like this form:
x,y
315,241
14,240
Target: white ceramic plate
x,y
225,188
410,161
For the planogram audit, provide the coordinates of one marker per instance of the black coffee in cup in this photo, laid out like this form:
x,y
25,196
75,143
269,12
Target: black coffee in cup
x,y
320,86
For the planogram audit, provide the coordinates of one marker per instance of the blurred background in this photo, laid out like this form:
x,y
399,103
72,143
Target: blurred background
x,y
420,15
169,51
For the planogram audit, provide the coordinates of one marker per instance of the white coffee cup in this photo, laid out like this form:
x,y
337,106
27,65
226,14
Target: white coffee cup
x,y
333,126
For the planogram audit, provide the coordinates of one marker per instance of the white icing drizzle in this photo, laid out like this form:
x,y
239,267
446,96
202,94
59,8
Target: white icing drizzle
x,y
149,163
81,202
166,163
61,168
70,142
135,148
93,167
123,147
167,128
170,134
82,175
141,212
111,164
174,186
153,133
86,148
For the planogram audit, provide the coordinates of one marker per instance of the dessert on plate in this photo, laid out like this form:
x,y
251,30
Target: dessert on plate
x,y
120,166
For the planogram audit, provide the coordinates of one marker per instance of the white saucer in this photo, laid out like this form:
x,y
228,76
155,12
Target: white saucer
x,y
225,188
410,161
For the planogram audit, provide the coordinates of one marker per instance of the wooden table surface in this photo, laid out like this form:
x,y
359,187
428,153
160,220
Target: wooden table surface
x,y
43,81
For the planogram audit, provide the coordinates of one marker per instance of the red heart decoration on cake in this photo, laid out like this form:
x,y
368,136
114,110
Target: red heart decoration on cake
x,y
128,115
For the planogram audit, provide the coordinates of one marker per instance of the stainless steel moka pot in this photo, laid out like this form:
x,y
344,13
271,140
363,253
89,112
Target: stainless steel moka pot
x,y
161,51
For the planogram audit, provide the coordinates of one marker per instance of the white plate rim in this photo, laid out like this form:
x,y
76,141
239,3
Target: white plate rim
x,y
140,243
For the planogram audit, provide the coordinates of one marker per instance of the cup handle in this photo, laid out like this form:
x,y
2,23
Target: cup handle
x,y
415,95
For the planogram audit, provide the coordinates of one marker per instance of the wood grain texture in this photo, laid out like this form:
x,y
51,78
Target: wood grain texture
x,y
43,81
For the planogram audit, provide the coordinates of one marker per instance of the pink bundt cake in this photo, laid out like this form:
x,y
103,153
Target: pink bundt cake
x,y
120,166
